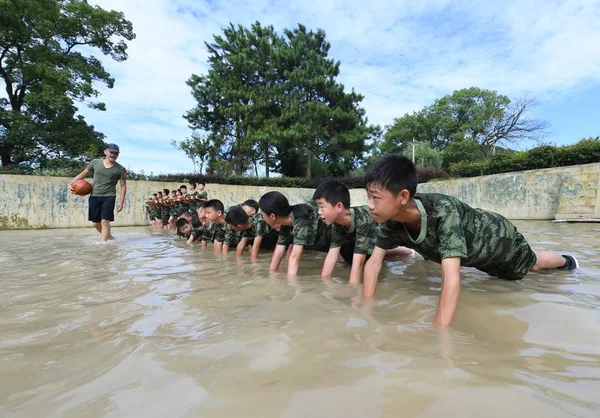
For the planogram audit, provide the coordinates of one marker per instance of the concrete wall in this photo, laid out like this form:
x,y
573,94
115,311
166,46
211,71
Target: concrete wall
x,y
43,202
549,193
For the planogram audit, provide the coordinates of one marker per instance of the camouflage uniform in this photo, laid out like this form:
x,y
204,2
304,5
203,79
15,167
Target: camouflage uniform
x,y
261,229
192,205
229,235
155,212
203,195
450,228
362,233
164,213
310,232
210,232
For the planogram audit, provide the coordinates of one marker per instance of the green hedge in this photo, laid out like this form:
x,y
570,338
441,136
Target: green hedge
x,y
357,182
425,174
583,152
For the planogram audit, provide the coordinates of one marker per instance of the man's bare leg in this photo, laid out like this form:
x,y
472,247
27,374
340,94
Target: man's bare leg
x,y
98,226
547,260
106,231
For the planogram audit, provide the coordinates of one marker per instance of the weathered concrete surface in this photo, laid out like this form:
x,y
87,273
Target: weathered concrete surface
x,y
44,202
535,194
569,192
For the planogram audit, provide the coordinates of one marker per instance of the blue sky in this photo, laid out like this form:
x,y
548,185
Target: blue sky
x,y
401,55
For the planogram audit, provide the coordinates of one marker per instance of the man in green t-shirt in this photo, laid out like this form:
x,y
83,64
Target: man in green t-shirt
x,y
106,174
447,231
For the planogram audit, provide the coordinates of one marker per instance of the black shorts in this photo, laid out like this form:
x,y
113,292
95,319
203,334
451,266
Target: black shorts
x,y
102,208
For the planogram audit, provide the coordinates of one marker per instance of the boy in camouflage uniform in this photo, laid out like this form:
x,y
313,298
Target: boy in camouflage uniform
x,y
202,194
188,230
253,229
300,228
352,228
445,230
215,215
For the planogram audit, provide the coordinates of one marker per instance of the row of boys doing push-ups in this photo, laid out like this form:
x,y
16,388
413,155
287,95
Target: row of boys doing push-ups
x,y
395,221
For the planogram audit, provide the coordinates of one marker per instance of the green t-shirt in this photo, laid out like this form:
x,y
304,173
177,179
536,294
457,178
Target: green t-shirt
x,y
450,228
310,232
105,179
363,231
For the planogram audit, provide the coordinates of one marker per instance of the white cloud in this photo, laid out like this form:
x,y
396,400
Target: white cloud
x,y
401,55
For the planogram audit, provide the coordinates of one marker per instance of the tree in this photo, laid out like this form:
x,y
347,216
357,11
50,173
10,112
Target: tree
x,y
199,148
468,150
425,155
44,73
480,115
274,100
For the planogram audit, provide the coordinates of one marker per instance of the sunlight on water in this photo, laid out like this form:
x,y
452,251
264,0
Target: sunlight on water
x,y
149,327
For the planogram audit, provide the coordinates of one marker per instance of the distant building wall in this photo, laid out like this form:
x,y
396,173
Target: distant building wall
x,y
44,202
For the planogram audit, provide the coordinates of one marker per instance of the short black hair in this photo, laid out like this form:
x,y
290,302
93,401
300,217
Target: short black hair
x,y
193,184
181,222
202,183
252,203
183,186
333,192
236,216
175,191
166,191
394,173
200,204
216,204
154,195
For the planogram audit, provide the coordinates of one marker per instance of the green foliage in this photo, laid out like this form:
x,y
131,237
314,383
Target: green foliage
x,y
472,114
44,73
468,150
274,100
425,156
583,152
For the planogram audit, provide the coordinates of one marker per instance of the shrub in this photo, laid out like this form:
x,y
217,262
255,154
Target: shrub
x,y
541,157
467,169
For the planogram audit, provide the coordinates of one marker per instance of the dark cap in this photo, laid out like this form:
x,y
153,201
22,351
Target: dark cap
x,y
112,147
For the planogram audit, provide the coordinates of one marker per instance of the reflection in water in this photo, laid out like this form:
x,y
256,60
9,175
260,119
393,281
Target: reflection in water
x,y
147,326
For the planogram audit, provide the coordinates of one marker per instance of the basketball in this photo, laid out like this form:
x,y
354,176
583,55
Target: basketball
x,y
82,187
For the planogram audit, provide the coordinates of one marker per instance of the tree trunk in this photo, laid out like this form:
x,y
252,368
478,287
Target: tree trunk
x,y
5,155
308,160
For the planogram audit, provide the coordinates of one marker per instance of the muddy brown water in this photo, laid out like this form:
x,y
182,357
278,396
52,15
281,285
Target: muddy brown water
x,y
147,326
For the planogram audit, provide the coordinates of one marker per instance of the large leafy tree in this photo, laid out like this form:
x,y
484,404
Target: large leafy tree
x,y
274,100
45,71
473,114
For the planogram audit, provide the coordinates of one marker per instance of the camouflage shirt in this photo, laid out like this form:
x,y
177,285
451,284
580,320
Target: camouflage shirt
x,y
310,232
210,232
203,194
259,227
230,236
450,228
362,233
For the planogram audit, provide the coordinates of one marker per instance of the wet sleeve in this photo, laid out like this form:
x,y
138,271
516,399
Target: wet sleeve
x,y
304,232
366,236
229,235
261,228
451,234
